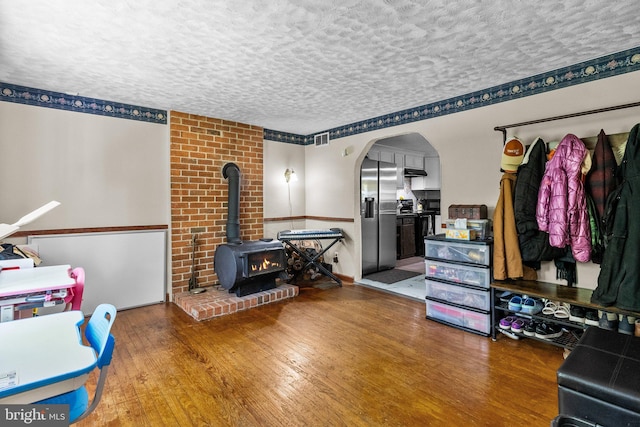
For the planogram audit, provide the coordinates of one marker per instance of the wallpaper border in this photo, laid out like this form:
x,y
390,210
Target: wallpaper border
x,y
63,101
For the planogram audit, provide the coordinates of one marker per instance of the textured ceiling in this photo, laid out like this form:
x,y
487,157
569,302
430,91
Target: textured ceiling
x,y
299,66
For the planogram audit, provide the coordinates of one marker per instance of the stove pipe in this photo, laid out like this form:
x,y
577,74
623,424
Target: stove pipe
x,y
231,172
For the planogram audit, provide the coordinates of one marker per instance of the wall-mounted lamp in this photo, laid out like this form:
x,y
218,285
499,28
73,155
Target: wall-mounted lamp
x,y
347,151
290,175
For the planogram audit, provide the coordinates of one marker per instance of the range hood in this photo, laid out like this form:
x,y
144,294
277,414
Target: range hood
x,y
414,172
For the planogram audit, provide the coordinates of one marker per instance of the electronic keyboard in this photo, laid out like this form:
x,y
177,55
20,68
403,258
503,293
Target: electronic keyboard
x,y
302,234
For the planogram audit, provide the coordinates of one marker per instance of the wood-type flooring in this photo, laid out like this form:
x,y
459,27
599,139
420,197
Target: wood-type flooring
x,y
341,356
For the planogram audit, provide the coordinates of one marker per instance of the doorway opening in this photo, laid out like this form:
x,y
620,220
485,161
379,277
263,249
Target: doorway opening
x,y
400,177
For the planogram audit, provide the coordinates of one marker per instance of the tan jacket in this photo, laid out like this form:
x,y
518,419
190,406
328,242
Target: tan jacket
x,y
507,260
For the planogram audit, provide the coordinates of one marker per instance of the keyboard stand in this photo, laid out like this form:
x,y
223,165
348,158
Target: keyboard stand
x,y
312,260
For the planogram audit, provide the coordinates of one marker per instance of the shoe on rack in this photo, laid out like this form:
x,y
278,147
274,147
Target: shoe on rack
x,y
562,311
517,326
515,303
505,323
548,331
576,314
549,307
531,306
626,324
505,296
591,317
608,321
530,328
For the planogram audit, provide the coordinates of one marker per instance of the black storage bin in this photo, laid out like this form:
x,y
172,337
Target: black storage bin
x,y
599,382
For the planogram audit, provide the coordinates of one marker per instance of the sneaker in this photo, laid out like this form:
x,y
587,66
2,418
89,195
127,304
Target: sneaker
x,y
626,324
505,323
530,328
608,321
591,317
576,314
548,331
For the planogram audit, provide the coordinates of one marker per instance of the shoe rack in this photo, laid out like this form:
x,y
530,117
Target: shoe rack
x,y
553,292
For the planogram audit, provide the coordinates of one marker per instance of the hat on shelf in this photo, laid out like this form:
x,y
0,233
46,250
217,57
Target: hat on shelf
x,y
512,155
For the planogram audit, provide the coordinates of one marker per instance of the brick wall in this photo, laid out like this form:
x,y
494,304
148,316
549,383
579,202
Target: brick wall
x,y
200,147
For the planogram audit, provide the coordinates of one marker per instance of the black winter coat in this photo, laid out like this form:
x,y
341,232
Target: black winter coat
x,y
619,279
534,244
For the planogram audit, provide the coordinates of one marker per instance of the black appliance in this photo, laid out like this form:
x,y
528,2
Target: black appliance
x,y
414,172
245,267
431,206
406,206
426,226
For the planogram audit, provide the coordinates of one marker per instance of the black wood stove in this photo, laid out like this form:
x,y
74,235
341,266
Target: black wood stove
x,y
245,267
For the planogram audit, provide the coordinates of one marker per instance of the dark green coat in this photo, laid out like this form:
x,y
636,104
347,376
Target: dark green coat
x,y
619,279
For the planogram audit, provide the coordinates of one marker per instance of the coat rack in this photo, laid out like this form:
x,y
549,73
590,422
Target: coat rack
x,y
504,128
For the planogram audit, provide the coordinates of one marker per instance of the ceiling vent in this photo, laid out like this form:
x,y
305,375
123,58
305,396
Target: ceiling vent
x,y
321,139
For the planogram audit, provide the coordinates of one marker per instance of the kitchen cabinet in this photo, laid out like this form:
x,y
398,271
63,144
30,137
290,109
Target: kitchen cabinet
x,y
387,156
406,159
381,155
432,180
458,281
399,161
406,236
414,161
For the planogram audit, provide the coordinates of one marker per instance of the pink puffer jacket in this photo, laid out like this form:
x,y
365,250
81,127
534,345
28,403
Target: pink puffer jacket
x,y
562,207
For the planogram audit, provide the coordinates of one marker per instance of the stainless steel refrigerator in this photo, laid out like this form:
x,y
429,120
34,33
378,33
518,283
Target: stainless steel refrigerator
x,y
378,215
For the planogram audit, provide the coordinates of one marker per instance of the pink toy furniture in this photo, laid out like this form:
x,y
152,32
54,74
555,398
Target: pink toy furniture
x,y
74,299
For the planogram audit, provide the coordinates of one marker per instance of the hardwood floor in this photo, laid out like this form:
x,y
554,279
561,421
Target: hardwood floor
x,y
350,356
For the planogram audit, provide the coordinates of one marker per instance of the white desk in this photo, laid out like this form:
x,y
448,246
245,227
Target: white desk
x,y
40,284
30,280
47,355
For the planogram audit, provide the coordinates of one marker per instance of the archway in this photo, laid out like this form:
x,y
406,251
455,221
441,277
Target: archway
x,y
408,152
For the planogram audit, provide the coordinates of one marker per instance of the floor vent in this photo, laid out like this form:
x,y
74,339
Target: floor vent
x,y
321,139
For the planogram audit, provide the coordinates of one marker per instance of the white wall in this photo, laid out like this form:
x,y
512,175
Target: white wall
x,y
105,171
284,200
470,152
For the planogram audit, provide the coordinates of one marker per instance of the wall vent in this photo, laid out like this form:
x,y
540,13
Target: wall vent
x,y
321,139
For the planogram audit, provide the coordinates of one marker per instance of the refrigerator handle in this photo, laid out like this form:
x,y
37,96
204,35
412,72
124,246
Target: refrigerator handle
x,y
369,207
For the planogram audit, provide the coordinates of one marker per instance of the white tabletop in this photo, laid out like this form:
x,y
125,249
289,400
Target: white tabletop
x,y
47,355
27,280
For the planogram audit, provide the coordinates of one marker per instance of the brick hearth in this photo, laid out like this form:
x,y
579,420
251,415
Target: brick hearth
x,y
217,301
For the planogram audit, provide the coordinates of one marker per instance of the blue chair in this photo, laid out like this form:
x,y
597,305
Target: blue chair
x,y
98,334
